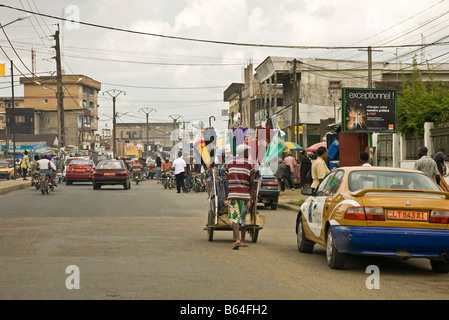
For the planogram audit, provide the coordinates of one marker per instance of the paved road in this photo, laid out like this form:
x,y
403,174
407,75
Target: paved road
x,y
149,243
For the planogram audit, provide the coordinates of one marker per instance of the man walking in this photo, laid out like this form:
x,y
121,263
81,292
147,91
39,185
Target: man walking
x,y
319,167
291,162
427,165
179,164
25,165
240,181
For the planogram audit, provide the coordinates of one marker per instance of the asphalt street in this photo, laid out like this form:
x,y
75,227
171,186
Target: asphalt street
x,y
149,243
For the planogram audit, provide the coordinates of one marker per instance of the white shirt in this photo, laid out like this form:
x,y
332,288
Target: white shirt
x,y
179,165
43,164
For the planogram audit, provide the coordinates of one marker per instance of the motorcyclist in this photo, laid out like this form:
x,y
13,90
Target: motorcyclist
x,y
166,167
137,169
33,169
144,167
44,166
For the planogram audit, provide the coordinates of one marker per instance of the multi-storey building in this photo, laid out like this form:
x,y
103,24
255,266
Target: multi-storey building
x,y
5,106
80,102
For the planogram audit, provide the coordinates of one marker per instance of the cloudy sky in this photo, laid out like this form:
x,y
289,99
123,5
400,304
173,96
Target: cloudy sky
x,y
187,78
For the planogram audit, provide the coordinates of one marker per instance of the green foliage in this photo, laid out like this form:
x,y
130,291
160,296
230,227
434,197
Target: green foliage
x,y
421,103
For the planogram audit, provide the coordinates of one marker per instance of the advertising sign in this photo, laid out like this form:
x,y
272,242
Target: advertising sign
x,y
369,110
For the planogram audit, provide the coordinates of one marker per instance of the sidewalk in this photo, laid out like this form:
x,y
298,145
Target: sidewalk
x,y
7,186
288,196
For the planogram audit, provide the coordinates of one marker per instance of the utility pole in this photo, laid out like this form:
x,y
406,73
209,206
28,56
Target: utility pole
x,y
295,101
175,118
13,116
370,65
59,93
147,112
114,93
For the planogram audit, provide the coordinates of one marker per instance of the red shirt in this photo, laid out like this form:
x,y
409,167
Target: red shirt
x,y
239,177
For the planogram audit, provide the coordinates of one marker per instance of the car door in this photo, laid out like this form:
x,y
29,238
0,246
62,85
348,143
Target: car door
x,y
314,214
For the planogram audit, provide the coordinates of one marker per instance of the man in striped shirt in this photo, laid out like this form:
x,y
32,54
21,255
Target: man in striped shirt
x,y
240,181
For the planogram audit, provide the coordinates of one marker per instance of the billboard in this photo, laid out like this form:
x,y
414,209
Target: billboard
x,y
369,110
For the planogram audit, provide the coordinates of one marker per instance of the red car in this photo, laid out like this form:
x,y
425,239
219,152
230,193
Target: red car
x,y
79,170
111,172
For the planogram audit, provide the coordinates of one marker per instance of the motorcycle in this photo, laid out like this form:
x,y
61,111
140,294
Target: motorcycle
x,y
168,179
35,181
44,182
137,176
198,183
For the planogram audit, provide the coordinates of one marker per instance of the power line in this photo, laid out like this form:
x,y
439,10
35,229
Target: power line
x,y
210,41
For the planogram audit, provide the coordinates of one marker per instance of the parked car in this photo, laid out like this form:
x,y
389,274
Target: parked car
x,y
269,191
111,172
6,170
79,170
378,211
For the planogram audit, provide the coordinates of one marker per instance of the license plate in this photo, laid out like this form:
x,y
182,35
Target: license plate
x,y
407,215
109,173
80,170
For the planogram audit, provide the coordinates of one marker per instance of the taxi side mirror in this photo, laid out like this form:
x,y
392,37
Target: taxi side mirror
x,y
307,191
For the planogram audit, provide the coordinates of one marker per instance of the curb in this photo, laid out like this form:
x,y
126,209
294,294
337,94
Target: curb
x,y
288,207
14,188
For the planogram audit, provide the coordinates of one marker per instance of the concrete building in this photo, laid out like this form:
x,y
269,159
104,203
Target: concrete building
x,y
6,104
275,93
80,101
159,134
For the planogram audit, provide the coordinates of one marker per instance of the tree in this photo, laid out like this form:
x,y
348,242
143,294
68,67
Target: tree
x,y
421,102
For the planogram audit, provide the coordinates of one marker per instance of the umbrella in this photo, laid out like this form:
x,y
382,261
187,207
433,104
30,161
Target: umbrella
x,y
315,146
292,146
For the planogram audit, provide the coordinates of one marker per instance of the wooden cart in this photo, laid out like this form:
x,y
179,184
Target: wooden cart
x,y
217,216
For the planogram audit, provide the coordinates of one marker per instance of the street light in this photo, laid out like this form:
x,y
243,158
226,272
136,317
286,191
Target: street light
x,y
12,97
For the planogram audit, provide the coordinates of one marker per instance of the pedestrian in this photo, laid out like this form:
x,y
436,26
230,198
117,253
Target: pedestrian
x,y
364,159
291,162
25,165
179,165
439,158
240,173
427,165
282,173
158,171
319,167
188,174
306,166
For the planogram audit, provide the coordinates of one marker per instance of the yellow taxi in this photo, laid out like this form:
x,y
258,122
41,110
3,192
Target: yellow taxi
x,y
6,170
376,211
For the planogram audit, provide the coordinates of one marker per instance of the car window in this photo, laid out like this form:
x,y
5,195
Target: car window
x,y
81,161
335,182
322,186
3,165
110,165
359,180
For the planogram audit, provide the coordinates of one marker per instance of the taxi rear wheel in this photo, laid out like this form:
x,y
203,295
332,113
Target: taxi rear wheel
x,y
335,259
304,245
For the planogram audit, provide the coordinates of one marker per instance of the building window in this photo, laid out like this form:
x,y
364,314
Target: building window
x,y
334,84
20,119
46,101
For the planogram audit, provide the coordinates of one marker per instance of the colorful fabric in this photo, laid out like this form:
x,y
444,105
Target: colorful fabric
x,y
237,211
239,175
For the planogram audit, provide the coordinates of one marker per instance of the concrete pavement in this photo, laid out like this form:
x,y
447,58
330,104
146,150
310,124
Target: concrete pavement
x,y
7,186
